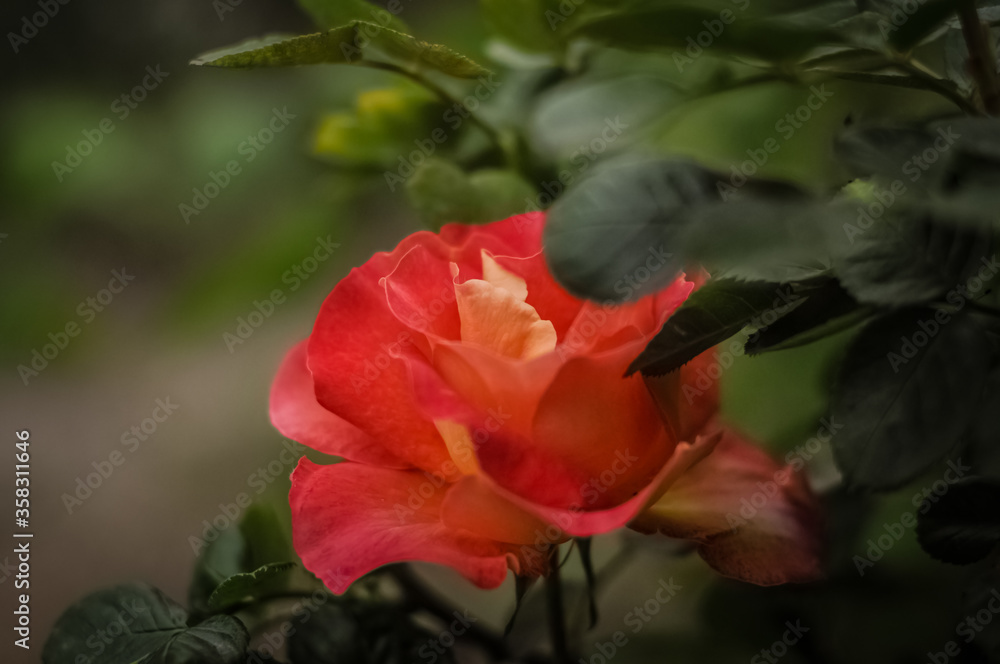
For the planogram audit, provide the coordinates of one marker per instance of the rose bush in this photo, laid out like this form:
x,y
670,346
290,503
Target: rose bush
x,y
483,417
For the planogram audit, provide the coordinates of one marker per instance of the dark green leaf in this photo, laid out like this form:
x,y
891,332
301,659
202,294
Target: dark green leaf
x,y
712,314
906,393
359,42
906,259
138,623
331,634
962,526
219,560
620,225
912,28
218,640
241,587
827,310
327,14
675,26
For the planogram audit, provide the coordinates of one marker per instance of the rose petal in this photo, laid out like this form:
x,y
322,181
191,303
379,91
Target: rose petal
x,y
349,519
297,415
473,506
755,521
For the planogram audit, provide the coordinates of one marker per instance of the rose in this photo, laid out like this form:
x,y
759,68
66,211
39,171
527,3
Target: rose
x,y
484,418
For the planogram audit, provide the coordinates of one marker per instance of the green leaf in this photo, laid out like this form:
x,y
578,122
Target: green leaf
x,y
907,259
674,26
332,634
359,42
327,14
219,640
712,314
619,223
241,587
963,525
138,623
930,16
827,310
531,25
906,393
442,193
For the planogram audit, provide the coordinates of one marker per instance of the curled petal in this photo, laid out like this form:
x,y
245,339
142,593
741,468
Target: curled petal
x,y
754,520
297,415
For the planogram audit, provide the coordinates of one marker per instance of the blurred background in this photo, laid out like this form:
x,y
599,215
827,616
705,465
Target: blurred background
x,y
66,231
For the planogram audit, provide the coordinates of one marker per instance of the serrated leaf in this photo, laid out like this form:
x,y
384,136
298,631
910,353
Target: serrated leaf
x,y
906,393
359,42
241,587
963,525
148,627
329,14
712,314
827,310
219,640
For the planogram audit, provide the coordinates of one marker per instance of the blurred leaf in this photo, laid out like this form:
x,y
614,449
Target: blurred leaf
x,y
236,589
827,310
963,525
359,42
906,393
712,314
675,25
903,259
531,25
442,193
220,560
331,634
929,16
218,640
327,14
610,226
153,629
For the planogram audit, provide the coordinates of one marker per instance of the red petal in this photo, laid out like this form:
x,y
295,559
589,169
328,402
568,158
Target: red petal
x,y
754,520
297,415
349,519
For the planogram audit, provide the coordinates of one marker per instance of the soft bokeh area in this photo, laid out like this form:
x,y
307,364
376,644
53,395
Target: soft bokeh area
x,y
162,390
